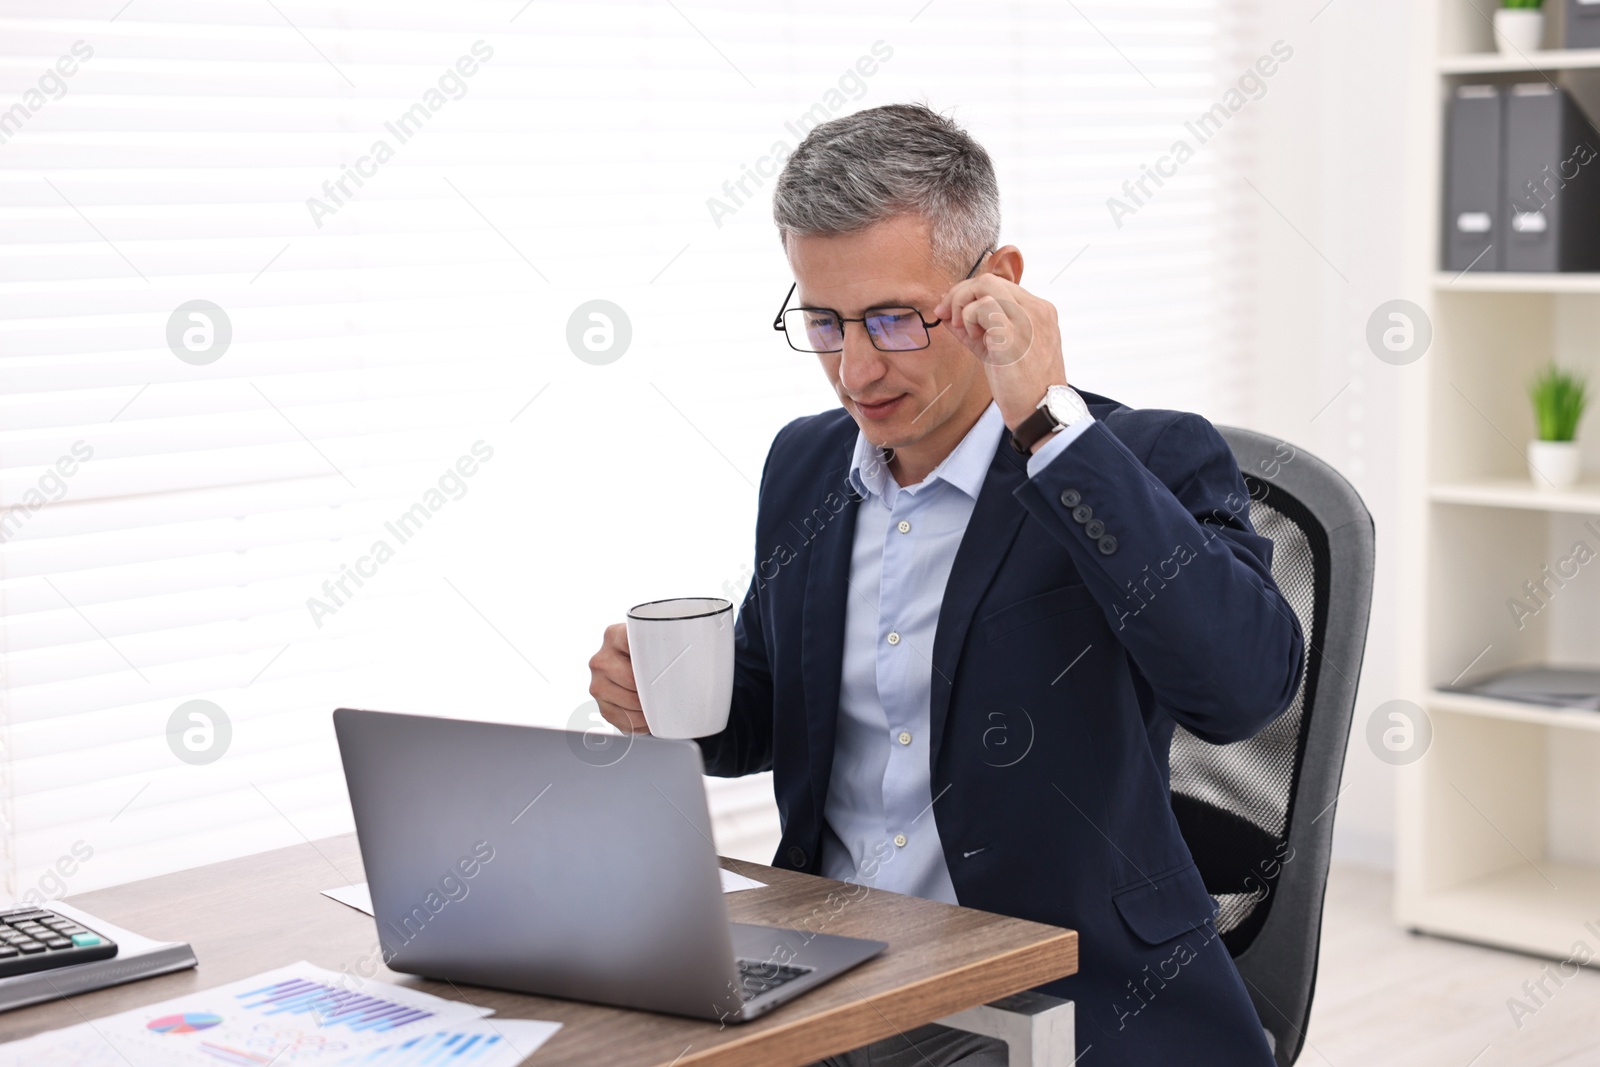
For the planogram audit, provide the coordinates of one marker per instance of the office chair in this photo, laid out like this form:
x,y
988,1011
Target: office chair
x,y
1258,814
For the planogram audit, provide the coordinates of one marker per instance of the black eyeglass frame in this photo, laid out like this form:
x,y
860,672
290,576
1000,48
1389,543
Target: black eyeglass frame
x,y
777,322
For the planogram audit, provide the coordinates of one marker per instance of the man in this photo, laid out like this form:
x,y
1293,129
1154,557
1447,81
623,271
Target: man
x,y
982,601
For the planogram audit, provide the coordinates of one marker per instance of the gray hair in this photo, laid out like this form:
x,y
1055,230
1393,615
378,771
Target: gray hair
x,y
860,169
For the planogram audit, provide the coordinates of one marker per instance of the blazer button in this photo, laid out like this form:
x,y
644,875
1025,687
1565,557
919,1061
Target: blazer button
x,y
1094,527
797,856
1071,498
1108,545
1082,513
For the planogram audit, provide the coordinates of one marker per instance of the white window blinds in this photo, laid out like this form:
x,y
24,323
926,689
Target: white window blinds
x,y
289,416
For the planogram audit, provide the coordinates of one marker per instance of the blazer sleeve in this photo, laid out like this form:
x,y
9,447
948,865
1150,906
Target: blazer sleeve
x,y
745,745
1166,548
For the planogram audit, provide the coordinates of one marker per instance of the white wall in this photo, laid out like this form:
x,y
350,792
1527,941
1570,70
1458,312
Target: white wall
x,y
1330,147
666,476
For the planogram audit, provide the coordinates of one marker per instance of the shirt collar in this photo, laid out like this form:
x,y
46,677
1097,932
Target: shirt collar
x,y
965,467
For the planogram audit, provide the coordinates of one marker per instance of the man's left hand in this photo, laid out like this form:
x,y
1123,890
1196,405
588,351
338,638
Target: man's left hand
x,y
1016,336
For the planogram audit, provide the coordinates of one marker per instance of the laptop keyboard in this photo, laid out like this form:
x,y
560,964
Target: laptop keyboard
x,y
763,976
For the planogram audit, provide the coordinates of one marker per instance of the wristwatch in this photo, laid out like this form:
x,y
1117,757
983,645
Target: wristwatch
x,y
1060,408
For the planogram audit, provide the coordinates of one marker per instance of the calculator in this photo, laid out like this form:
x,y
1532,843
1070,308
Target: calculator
x,y
35,939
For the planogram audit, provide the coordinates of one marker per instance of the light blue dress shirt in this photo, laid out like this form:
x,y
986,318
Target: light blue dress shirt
x,y
879,814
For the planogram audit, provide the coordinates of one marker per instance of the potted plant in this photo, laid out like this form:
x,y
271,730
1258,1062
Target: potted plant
x,y
1519,26
1559,398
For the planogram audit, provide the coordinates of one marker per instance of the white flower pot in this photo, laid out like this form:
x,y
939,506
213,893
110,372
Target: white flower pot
x,y
1518,31
1553,464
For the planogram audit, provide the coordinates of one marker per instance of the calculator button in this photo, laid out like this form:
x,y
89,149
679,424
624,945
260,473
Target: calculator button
x,y
57,942
30,947
85,940
6,952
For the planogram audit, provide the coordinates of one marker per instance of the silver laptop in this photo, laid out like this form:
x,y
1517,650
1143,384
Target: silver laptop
x,y
526,859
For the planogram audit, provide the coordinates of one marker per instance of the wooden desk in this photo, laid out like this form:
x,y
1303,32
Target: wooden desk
x,y
253,914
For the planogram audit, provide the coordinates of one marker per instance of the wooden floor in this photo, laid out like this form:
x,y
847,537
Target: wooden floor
x,y
1387,998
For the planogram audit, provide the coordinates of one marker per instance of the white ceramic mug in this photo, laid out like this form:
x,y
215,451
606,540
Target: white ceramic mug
x,y
682,652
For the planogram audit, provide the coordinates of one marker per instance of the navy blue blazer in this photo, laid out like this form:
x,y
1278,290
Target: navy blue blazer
x,y
1088,611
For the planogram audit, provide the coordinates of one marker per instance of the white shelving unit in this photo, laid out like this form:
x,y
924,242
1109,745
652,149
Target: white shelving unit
x,y
1496,282
1490,62
1499,822
1581,499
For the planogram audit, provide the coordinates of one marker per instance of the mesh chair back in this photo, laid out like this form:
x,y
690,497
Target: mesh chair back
x,y
1258,814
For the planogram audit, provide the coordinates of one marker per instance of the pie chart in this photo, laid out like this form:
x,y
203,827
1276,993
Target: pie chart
x,y
186,1023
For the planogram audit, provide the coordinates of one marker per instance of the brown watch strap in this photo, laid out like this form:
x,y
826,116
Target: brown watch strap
x,y
1030,429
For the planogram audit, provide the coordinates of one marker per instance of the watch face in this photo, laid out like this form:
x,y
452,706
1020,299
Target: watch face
x,y
1065,405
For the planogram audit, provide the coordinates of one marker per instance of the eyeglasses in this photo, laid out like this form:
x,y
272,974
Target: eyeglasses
x,y
890,329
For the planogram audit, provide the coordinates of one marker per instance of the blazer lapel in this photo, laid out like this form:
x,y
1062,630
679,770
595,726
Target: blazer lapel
x,y
996,518
822,633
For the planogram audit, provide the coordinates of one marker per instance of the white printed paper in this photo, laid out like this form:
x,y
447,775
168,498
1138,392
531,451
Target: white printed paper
x,y
733,883
357,896
484,1043
297,1015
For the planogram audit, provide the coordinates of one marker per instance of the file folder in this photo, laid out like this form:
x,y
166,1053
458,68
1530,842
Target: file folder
x,y
1582,25
1472,180
1551,176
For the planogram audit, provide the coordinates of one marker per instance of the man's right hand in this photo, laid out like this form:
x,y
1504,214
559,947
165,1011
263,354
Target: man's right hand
x,y
611,682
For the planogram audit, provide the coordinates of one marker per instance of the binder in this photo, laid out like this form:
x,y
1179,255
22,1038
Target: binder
x,y
1472,180
1551,177
1557,687
1581,28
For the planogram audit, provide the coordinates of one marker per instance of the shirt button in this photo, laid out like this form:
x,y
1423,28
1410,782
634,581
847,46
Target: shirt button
x,y
900,840
1108,545
1094,527
904,527
905,737
1071,498
894,638
1082,513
